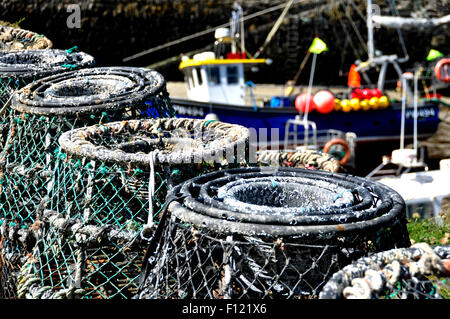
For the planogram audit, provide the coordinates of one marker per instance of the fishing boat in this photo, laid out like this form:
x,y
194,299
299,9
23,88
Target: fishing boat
x,y
216,88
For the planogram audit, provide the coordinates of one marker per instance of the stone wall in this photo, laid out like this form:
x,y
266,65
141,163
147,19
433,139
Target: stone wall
x,y
114,29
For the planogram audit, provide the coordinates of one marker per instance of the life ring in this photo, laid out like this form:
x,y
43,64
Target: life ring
x,y
442,70
341,142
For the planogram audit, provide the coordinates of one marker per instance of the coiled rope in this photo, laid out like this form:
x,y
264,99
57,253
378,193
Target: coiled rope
x,y
302,158
12,38
417,272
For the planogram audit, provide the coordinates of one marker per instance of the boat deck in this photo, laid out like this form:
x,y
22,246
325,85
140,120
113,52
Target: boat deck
x,y
421,188
265,91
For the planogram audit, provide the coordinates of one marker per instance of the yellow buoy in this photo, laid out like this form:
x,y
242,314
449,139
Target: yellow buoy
x,y
345,105
383,101
354,103
364,104
337,105
373,102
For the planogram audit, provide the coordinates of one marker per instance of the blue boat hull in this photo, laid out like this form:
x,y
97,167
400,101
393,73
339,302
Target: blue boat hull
x,y
372,125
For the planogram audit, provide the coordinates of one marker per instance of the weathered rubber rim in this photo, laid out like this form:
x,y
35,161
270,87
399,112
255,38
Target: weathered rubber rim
x,y
40,70
335,223
75,142
148,84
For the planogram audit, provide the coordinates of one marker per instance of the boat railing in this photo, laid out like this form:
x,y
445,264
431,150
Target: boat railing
x,y
299,133
302,123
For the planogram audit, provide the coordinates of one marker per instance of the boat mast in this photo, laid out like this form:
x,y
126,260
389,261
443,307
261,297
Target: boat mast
x,y
237,27
370,45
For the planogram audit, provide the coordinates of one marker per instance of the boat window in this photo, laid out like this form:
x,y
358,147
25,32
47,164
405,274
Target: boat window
x,y
189,79
199,76
214,75
232,75
194,76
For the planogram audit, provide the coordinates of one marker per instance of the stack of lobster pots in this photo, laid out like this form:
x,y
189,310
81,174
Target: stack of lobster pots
x,y
104,192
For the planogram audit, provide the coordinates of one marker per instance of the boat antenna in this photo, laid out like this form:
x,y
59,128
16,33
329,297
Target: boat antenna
x,y
207,31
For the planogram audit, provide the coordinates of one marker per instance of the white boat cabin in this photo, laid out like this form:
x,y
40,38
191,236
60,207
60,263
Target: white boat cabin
x,y
217,76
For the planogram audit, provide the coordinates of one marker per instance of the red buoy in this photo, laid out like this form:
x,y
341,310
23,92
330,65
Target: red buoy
x,y
366,94
356,94
376,93
324,101
302,100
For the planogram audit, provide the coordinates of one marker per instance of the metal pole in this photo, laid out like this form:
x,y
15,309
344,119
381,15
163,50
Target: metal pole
x,y
370,46
416,77
311,77
402,129
233,31
242,34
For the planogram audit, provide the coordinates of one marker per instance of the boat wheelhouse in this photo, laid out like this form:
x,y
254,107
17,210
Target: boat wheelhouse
x,y
218,76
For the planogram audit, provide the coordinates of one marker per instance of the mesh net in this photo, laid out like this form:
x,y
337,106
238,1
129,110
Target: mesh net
x,y
19,68
12,38
417,272
91,236
268,233
41,112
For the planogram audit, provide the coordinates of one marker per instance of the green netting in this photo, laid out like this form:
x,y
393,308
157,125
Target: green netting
x,y
29,161
91,234
19,68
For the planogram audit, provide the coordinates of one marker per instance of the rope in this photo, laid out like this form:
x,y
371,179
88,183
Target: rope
x,y
385,275
12,38
303,158
148,227
30,286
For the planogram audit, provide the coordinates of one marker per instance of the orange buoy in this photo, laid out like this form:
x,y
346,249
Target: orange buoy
x,y
354,79
324,101
302,100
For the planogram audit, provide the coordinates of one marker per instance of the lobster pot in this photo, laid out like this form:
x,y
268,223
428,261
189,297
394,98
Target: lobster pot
x,y
12,39
268,233
310,159
93,232
417,272
19,68
46,108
